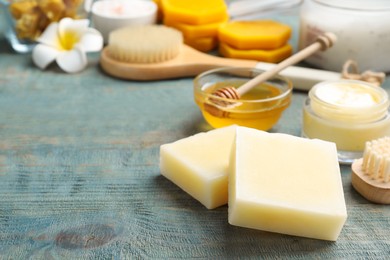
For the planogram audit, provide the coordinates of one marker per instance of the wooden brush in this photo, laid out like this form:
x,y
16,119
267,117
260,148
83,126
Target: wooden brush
x,y
187,62
155,52
371,174
144,45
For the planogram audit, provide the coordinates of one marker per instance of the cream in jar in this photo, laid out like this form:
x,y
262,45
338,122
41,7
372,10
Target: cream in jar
x,y
348,113
108,15
362,29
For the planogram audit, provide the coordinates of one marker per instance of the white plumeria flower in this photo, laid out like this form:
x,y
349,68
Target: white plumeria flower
x,y
67,43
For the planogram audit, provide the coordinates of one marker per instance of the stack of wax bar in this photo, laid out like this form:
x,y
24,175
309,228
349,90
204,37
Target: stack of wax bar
x,y
198,20
261,40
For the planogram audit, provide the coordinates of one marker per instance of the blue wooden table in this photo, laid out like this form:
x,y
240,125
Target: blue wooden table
x,y
80,179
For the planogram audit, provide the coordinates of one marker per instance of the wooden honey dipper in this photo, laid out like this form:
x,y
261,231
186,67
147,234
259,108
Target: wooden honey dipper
x,y
323,42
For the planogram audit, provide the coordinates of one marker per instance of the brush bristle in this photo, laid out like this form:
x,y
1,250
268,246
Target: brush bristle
x,y
144,43
376,159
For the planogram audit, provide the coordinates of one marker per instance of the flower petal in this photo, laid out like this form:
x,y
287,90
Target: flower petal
x,y
50,36
68,24
92,40
72,61
43,55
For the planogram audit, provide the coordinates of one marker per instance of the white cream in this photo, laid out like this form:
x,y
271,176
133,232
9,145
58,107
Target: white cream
x,y
108,15
345,95
117,8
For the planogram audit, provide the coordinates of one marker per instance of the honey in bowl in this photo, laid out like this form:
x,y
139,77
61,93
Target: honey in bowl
x,y
260,108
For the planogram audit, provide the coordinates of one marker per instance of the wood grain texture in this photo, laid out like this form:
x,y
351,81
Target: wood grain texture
x,y
79,175
375,190
188,63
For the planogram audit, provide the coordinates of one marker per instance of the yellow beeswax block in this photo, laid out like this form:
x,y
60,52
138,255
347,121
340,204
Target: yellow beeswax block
x,y
195,12
273,56
202,44
285,184
196,31
198,164
258,34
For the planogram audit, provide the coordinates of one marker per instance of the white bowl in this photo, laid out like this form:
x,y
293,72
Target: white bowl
x,y
108,15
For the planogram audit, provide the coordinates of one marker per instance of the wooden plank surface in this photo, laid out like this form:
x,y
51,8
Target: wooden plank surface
x,y
79,175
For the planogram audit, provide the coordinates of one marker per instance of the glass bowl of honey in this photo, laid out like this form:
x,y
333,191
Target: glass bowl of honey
x,y
259,108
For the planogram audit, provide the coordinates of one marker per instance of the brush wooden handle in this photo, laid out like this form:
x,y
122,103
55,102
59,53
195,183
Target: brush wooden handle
x,y
373,190
188,63
191,62
323,42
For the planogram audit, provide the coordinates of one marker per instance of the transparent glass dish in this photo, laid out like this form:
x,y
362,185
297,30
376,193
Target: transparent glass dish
x,y
260,108
27,19
346,116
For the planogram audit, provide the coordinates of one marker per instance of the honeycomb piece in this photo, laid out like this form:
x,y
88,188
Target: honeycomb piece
x,y
27,26
18,8
33,16
53,9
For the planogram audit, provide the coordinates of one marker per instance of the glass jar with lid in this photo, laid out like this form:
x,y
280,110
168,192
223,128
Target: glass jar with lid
x,y
362,28
348,113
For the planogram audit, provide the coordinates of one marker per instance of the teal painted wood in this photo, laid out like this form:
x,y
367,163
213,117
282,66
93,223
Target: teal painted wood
x,y
79,175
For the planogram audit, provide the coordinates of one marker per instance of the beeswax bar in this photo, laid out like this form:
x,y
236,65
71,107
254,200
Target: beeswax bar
x,y
285,184
198,164
272,56
196,31
195,12
259,34
202,44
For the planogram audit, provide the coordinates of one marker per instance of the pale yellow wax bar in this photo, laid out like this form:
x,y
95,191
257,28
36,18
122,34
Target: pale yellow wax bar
x,y
255,34
195,12
198,164
286,184
202,44
271,56
196,31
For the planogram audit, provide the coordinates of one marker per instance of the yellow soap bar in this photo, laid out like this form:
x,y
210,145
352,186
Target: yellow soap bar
x,y
198,164
202,44
258,34
273,56
285,184
195,12
196,31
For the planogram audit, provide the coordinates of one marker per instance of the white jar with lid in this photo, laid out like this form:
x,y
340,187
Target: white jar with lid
x,y
348,113
109,15
362,28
